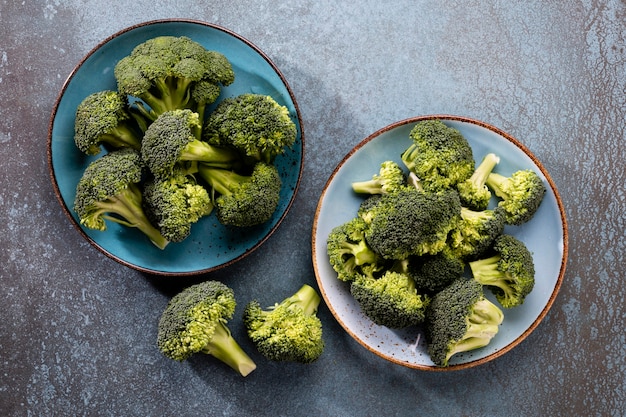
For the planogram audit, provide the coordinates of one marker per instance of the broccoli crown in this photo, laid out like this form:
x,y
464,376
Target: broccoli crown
x,y
520,194
164,71
439,155
476,231
348,252
432,273
194,321
391,300
289,330
108,189
389,179
473,192
254,124
171,141
175,203
244,200
509,273
103,118
411,222
458,319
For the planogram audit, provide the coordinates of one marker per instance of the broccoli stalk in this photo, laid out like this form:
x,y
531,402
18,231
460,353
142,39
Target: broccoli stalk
x,y
475,232
390,178
473,192
521,194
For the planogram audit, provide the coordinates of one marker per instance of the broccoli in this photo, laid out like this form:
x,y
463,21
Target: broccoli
x,y
391,300
104,118
476,231
165,71
520,194
254,124
175,203
109,190
460,318
473,192
439,155
348,252
195,321
289,330
389,179
509,272
411,222
171,142
432,273
244,200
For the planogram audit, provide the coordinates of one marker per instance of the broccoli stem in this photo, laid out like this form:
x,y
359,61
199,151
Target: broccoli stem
x,y
487,272
367,187
225,348
221,180
497,183
305,298
213,156
489,162
122,136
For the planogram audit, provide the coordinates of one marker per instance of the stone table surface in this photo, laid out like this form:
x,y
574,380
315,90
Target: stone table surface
x,y
77,331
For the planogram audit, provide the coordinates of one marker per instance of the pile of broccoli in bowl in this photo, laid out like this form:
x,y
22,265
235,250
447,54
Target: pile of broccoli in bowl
x,y
168,154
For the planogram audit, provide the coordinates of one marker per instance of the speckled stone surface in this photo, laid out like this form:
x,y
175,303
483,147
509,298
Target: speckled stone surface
x,y
77,330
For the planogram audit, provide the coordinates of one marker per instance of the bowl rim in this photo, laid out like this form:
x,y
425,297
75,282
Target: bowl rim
x,y
55,108
561,208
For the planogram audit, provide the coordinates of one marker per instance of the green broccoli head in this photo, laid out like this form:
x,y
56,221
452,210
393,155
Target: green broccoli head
x,y
459,319
289,330
104,118
439,155
391,300
476,231
195,321
175,203
171,142
521,194
509,273
390,178
254,124
473,192
109,190
244,200
348,252
163,72
432,273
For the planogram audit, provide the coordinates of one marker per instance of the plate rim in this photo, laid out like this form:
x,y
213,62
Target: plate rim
x,y
564,229
51,172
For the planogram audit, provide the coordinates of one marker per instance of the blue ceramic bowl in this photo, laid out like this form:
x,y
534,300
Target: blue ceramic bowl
x,y
211,245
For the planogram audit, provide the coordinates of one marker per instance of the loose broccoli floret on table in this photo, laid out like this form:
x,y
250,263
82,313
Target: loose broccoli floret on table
x,y
509,273
439,155
432,273
109,190
104,118
473,192
390,178
164,72
458,319
289,330
244,200
475,232
521,194
254,124
195,321
171,142
175,203
391,300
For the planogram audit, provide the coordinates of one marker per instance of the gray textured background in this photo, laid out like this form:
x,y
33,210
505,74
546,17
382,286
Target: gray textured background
x,y
77,332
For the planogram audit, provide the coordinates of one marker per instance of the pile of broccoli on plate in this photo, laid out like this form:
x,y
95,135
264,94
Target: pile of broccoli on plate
x,y
164,161
425,243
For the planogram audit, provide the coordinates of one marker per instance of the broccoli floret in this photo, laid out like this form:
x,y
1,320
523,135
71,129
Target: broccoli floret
x,y
475,232
439,155
473,192
244,200
348,252
254,124
171,142
195,321
389,179
458,319
509,273
109,190
520,194
391,300
175,203
164,72
432,273
104,118
289,330
411,222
